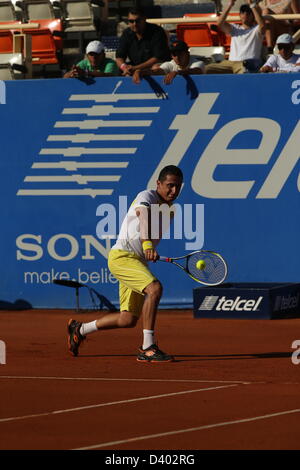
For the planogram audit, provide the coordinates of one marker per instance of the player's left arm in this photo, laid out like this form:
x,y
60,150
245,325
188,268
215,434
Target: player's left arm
x,y
144,215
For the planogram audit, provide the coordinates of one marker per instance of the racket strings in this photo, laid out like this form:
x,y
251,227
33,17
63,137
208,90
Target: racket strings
x,y
214,271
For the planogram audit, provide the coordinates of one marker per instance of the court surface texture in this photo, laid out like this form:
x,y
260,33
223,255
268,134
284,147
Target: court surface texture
x,y
233,385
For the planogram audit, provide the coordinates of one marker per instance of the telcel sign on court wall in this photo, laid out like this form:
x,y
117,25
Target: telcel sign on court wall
x,y
88,145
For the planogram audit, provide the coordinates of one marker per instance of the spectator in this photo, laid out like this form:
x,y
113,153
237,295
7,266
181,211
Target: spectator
x,y
141,45
246,41
274,27
181,64
285,60
95,64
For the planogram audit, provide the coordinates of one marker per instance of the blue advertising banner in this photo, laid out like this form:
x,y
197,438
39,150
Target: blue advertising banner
x,y
75,153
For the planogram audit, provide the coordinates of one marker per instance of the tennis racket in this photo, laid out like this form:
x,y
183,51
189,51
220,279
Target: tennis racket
x,y
203,266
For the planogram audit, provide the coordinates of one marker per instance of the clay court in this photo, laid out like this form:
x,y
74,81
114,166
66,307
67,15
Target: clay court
x,y
233,385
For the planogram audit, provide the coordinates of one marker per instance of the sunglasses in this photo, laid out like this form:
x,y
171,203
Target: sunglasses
x,y
137,21
284,46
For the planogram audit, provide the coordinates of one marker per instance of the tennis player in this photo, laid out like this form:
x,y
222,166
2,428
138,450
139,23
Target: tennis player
x,y
140,291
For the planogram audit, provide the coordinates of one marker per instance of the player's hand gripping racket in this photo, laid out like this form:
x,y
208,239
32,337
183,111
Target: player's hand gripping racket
x,y
206,267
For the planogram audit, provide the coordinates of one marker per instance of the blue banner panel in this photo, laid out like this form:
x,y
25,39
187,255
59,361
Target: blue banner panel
x,y
248,301
75,153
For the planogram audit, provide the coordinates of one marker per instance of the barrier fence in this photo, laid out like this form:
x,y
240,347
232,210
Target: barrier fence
x,y
75,153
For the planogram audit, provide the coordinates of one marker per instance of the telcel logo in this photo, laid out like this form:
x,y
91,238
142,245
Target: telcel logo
x,y
286,303
224,304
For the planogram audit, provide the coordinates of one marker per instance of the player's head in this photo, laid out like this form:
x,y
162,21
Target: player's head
x,y
169,183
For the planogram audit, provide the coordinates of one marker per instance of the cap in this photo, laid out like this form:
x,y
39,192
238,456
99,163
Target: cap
x,y
178,46
94,46
245,8
285,39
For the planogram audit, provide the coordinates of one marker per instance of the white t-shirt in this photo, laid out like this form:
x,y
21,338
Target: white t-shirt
x,y
246,43
279,64
129,237
171,66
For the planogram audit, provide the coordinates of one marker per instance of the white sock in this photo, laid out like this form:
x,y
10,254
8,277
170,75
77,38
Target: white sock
x,y
87,328
148,338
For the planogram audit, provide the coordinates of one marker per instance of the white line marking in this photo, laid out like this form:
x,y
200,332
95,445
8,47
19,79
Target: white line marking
x,y
117,86
105,379
65,192
121,402
80,179
74,165
78,151
181,431
97,110
82,138
96,123
114,97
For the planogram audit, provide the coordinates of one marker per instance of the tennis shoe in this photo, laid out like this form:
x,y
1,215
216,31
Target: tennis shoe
x,y
153,354
74,337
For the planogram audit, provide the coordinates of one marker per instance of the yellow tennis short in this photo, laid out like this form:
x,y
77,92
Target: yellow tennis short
x,y
133,275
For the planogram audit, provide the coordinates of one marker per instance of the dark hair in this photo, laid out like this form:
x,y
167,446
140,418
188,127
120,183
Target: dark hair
x,y
137,12
245,9
170,170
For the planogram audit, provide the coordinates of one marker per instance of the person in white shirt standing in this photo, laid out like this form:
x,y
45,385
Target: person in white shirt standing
x,y
246,41
285,60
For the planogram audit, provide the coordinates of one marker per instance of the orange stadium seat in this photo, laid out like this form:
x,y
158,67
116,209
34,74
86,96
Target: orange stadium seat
x,y
43,46
211,26
195,34
6,42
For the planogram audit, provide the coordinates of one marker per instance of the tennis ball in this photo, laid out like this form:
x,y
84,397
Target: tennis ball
x,y
200,264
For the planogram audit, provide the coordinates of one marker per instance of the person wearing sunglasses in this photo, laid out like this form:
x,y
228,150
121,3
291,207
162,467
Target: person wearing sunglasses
x,y
285,60
141,45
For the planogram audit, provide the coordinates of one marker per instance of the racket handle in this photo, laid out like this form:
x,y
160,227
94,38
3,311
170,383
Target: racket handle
x,y
165,258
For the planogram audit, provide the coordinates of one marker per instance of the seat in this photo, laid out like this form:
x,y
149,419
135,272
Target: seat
x,y
78,16
6,72
13,64
211,25
111,44
6,42
208,54
195,35
43,46
7,12
42,11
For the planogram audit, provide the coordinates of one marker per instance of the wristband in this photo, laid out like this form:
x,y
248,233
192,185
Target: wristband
x,y
123,66
147,245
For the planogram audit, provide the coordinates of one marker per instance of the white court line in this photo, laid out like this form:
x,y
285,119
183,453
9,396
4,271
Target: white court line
x,y
182,431
99,405
106,379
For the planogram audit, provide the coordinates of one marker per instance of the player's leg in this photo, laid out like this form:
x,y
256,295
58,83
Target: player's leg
x,y
150,352
127,267
130,305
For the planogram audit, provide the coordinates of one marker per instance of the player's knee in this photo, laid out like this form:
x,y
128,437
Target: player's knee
x,y
154,289
127,320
